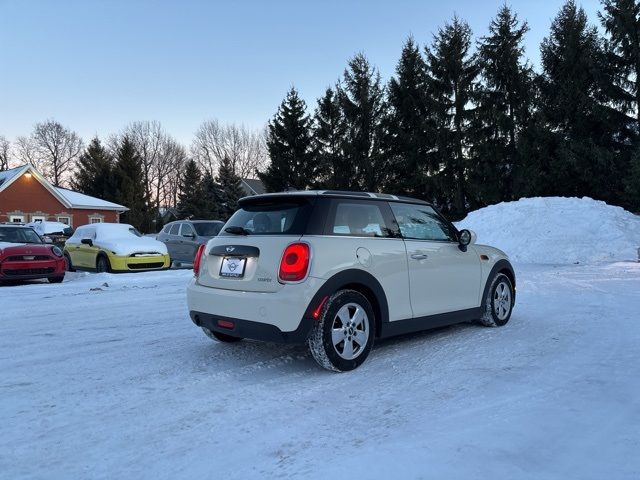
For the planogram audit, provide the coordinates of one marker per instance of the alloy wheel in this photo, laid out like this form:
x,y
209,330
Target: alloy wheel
x,y
350,331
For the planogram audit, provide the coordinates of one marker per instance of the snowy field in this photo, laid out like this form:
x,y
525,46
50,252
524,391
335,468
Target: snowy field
x,y
116,382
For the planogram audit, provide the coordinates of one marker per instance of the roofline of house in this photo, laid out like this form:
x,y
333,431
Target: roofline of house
x,y
52,190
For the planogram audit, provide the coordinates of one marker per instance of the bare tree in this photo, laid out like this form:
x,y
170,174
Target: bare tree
x,y
167,172
26,150
5,149
244,147
148,138
52,149
161,155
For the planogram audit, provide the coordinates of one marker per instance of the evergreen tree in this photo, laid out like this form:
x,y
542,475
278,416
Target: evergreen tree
x,y
452,72
130,189
212,197
364,108
632,183
329,138
621,20
411,127
503,107
574,132
230,188
293,163
94,172
191,201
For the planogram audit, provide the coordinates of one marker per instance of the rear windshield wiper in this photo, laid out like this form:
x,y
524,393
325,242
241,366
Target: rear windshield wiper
x,y
237,231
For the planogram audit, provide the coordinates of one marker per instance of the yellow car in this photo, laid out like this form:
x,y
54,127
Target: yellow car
x,y
114,247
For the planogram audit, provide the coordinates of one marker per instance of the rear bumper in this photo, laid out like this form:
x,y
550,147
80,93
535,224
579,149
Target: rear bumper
x,y
253,330
278,317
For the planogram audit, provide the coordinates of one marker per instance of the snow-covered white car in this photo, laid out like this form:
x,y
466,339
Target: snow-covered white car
x,y
114,247
339,269
52,232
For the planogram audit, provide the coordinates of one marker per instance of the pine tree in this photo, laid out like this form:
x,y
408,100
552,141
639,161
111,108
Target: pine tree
x,y
364,109
230,188
621,20
191,201
130,189
575,130
293,163
632,184
411,127
503,100
94,172
212,197
452,72
329,138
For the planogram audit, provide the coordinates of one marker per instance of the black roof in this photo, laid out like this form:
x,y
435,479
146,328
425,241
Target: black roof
x,y
334,194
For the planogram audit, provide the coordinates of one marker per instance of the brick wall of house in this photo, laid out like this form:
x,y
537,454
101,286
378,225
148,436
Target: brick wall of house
x,y
26,196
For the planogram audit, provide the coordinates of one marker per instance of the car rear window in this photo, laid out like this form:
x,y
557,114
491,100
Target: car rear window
x,y
205,229
279,217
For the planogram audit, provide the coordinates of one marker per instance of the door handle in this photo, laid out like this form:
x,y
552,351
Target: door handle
x,y
419,256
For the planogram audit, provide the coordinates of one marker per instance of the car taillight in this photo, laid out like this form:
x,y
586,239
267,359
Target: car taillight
x,y
198,260
294,263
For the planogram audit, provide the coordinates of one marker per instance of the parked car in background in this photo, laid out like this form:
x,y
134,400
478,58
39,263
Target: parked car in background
x,y
339,269
114,247
25,256
183,238
57,232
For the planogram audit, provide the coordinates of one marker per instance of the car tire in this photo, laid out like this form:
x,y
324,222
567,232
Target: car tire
x,y
55,279
220,337
102,264
499,302
68,264
343,335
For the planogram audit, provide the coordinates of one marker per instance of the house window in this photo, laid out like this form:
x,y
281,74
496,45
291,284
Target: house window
x,y
95,220
65,220
38,218
16,218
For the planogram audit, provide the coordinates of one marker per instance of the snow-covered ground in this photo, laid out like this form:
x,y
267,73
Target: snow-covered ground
x,y
105,376
115,382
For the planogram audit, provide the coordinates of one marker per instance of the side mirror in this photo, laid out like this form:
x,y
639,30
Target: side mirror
x,y
466,238
47,239
87,241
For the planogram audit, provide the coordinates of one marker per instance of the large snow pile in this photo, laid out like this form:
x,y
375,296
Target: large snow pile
x,y
558,230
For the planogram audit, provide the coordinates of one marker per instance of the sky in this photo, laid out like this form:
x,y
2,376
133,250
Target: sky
x,y
96,66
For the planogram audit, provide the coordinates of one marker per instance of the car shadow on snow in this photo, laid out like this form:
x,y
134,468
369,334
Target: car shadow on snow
x,y
251,357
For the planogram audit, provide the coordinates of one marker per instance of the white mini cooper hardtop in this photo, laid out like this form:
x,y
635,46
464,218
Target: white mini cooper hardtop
x,y
339,269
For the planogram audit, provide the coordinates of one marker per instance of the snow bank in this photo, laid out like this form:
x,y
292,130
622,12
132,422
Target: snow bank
x,y
558,230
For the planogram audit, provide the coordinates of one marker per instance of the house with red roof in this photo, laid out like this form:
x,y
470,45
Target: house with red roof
x,y
26,196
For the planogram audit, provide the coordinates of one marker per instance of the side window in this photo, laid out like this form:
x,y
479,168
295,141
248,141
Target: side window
x,y
187,230
174,229
360,219
421,222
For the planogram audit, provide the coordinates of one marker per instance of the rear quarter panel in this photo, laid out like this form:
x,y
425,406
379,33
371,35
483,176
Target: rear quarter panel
x,y
384,258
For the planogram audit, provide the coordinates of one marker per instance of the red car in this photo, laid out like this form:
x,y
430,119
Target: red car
x,y
25,256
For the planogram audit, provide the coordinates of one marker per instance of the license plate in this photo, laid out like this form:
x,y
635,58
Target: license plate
x,y
232,267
